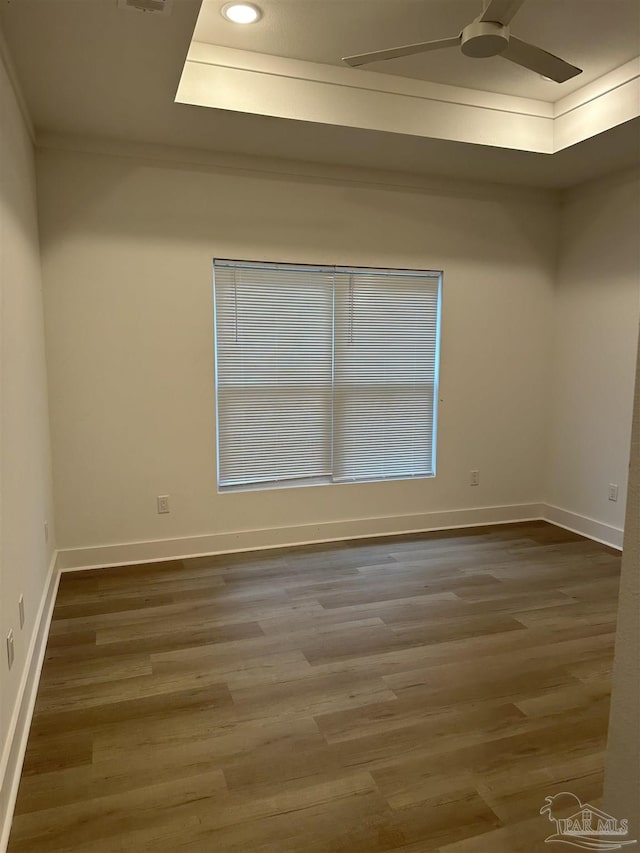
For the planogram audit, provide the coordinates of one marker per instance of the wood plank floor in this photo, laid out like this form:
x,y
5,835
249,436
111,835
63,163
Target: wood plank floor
x,y
421,693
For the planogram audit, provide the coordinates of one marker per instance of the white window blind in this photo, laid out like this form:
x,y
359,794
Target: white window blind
x,y
274,372
385,375
324,374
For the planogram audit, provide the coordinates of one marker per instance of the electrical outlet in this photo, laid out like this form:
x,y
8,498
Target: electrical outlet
x,y
10,650
21,610
46,531
474,478
163,504
613,492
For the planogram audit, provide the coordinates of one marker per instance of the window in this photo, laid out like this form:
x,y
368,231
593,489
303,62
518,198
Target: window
x,y
324,374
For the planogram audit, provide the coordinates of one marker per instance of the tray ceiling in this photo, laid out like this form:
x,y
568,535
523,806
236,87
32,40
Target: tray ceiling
x,y
93,71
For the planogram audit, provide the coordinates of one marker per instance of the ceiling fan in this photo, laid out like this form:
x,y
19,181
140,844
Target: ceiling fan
x,y
488,35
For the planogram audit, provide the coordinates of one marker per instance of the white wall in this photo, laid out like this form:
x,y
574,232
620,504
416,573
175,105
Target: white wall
x,y
127,250
596,329
537,354
25,481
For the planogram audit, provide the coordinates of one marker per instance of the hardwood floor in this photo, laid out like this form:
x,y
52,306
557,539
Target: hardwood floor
x,y
422,694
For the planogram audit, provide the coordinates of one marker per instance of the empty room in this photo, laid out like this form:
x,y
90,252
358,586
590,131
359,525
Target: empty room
x,y
320,426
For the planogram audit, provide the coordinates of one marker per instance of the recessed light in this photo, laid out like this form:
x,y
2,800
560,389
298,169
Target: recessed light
x,y
241,13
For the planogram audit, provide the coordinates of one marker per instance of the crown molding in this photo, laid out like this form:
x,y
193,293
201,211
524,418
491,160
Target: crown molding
x,y
621,76
611,100
244,81
371,81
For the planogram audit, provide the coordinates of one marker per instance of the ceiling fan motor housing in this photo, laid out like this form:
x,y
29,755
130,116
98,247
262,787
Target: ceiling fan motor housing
x,y
484,38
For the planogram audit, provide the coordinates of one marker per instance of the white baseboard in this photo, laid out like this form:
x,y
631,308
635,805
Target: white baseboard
x,y
606,534
280,537
16,743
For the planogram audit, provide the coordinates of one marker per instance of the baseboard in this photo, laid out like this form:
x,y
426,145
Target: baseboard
x,y
16,744
606,534
279,537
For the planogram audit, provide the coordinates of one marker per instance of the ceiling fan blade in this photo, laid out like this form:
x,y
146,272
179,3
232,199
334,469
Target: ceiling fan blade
x,y
396,52
501,11
536,59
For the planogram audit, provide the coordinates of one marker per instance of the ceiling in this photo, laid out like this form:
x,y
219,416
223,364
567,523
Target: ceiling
x,y
91,69
594,35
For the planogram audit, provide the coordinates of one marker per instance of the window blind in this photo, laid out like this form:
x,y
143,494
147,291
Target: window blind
x,y
385,374
324,374
274,373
